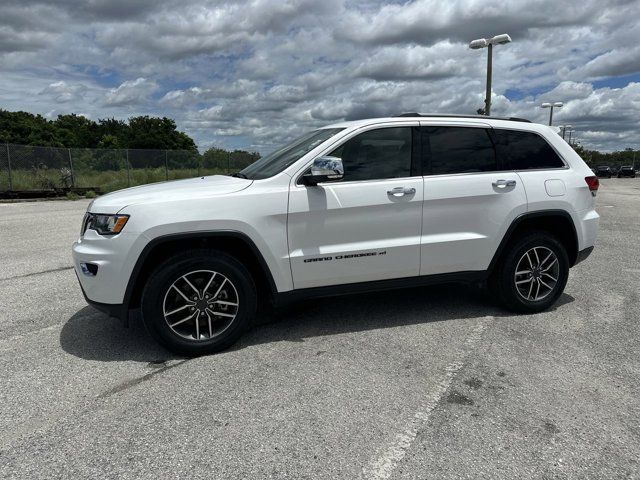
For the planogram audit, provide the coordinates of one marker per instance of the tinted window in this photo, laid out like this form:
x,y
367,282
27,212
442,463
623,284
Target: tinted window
x,y
458,150
525,150
376,154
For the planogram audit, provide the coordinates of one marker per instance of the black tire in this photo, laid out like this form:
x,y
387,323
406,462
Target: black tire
x,y
503,280
159,289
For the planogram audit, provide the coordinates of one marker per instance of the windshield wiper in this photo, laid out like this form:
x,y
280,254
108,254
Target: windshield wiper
x,y
239,175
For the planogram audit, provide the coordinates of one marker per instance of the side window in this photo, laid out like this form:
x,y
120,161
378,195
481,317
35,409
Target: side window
x,y
525,150
458,150
377,154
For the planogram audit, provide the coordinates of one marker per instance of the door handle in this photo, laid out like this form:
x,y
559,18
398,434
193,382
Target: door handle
x,y
401,191
504,183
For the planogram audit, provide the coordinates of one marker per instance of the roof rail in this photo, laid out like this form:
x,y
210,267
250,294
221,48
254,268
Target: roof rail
x,y
452,115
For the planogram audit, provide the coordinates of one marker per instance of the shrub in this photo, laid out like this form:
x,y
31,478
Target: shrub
x,y
72,196
90,194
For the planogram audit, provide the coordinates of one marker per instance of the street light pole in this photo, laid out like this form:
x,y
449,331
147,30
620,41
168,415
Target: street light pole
x,y
550,106
487,98
564,129
489,43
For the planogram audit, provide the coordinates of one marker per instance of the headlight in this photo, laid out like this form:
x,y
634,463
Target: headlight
x,y
104,224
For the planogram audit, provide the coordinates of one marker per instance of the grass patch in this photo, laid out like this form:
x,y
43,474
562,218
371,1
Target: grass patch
x,y
102,181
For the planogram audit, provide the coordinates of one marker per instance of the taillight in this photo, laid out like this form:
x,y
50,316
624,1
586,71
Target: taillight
x,y
593,183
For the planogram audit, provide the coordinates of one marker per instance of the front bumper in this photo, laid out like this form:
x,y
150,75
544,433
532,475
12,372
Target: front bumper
x,y
115,310
114,258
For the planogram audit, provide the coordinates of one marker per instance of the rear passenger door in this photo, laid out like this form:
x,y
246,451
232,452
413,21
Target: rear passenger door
x,y
470,198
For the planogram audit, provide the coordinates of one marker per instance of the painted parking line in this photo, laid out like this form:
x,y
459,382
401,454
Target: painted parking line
x,y
382,467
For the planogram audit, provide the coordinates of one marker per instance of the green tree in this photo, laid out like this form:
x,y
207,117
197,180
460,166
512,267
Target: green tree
x,y
215,157
76,131
109,141
594,158
153,132
25,128
116,129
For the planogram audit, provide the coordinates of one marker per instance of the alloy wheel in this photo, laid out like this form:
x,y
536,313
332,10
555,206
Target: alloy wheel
x,y
537,273
200,305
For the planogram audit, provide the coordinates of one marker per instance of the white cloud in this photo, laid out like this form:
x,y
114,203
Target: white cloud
x,y
415,62
567,91
131,92
426,21
619,61
253,73
181,98
62,92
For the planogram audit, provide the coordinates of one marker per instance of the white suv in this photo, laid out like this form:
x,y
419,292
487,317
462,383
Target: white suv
x,y
356,206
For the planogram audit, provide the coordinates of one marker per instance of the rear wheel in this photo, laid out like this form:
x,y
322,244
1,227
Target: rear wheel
x,y
199,302
532,273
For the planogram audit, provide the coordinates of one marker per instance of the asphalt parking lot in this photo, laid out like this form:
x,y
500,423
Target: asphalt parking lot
x,y
423,383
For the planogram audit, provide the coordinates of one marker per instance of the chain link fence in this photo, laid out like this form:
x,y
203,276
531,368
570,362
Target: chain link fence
x,y
27,168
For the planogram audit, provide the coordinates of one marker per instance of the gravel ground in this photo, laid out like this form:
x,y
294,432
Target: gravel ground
x,y
422,383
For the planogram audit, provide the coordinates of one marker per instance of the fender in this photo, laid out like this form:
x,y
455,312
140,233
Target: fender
x,y
538,214
217,234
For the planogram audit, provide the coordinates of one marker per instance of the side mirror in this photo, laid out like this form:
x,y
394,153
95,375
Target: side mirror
x,y
324,169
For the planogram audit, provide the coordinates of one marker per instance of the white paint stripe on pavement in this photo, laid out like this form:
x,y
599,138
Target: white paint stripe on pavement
x,y
382,467
8,344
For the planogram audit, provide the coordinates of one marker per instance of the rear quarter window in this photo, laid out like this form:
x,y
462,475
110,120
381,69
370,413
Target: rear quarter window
x,y
525,151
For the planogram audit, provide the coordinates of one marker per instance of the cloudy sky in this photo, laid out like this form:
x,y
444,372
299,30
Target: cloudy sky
x,y
251,74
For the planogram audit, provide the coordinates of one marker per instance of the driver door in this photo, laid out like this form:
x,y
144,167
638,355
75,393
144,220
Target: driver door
x,y
367,226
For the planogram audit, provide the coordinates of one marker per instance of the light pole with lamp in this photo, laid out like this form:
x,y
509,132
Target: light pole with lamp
x,y
551,107
571,130
489,42
564,128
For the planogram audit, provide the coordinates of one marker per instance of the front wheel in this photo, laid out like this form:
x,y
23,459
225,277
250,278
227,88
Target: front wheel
x,y
199,302
532,273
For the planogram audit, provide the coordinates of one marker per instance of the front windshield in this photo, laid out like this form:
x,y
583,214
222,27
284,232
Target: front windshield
x,y
283,157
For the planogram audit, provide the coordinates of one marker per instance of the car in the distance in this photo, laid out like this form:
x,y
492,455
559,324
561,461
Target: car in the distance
x,y
626,171
604,171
